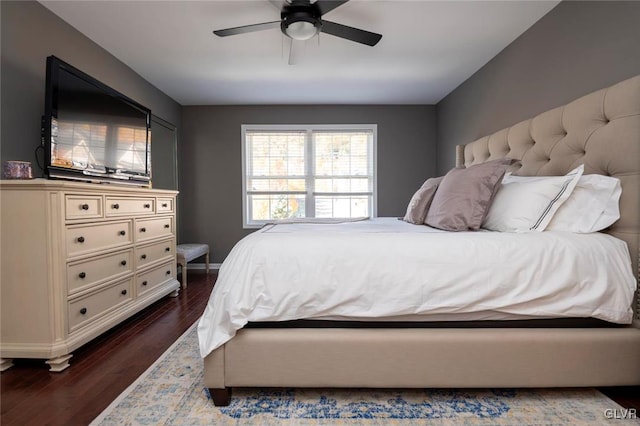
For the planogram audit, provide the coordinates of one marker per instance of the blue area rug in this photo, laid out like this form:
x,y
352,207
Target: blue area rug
x,y
368,404
171,392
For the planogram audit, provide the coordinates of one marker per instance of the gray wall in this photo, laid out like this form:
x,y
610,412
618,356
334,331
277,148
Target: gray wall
x,y
211,167
30,33
578,47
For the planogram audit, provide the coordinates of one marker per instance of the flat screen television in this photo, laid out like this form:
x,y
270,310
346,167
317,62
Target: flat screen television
x,y
92,132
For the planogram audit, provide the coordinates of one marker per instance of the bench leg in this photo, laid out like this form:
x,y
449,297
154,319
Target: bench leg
x,y
206,265
183,267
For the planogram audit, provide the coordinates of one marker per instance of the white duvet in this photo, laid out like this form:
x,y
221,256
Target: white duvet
x,y
385,268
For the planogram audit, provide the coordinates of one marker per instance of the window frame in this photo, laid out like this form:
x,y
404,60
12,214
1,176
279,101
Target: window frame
x,y
309,161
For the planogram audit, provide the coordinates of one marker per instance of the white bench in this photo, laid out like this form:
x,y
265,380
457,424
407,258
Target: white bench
x,y
186,253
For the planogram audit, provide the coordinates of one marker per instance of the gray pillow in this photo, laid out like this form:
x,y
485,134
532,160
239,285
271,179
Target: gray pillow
x,y
464,196
420,202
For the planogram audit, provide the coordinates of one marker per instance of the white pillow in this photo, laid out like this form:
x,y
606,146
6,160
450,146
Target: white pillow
x,y
592,207
526,204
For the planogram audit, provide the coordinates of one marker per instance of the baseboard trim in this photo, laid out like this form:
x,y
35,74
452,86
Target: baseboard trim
x,y
201,266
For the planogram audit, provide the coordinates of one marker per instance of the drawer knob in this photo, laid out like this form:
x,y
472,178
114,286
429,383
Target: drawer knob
x,y
123,233
123,263
83,311
82,275
81,239
168,272
167,249
165,205
144,283
144,256
115,206
85,207
124,291
166,225
143,229
147,206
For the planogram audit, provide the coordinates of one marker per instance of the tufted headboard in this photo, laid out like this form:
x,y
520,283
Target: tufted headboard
x,y
601,130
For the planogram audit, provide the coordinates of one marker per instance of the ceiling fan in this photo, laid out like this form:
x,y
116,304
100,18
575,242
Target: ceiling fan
x,y
302,19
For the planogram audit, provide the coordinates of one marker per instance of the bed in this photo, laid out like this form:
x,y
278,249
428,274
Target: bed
x,y
485,345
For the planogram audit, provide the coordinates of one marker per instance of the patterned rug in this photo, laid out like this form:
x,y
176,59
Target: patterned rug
x,y
171,392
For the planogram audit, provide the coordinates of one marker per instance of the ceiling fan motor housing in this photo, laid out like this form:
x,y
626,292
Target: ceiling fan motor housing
x,y
301,22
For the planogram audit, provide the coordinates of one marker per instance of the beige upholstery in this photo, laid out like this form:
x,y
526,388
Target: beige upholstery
x,y
601,130
428,358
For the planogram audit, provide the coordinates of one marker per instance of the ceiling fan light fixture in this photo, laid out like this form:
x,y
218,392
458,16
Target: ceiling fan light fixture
x,y
301,30
300,25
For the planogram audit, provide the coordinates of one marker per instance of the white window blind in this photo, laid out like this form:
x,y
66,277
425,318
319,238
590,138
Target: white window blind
x,y
308,172
84,144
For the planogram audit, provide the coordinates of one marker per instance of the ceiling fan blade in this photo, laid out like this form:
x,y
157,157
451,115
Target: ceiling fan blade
x,y
328,5
350,33
247,29
278,3
294,51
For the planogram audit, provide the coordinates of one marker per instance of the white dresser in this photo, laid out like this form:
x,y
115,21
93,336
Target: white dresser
x,y
77,259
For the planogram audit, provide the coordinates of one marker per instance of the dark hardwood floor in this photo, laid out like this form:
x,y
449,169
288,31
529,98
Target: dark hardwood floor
x,y
103,368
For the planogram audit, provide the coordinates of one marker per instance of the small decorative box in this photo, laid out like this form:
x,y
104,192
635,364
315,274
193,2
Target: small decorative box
x,y
17,170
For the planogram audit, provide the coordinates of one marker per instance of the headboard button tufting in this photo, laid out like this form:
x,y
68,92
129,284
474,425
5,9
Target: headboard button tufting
x,y
613,150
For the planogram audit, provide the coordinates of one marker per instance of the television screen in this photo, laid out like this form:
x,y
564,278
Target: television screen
x,y
92,130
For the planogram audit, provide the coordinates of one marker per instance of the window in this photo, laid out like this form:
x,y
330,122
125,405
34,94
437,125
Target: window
x,y
316,171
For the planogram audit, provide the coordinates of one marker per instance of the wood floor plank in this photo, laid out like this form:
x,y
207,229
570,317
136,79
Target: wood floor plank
x,y
103,368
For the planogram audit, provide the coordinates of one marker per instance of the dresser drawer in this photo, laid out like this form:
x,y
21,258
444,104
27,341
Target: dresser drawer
x,y
146,281
152,253
87,308
120,206
147,229
83,207
86,274
165,205
89,238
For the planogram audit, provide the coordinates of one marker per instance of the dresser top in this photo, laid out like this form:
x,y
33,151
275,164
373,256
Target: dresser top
x,y
68,185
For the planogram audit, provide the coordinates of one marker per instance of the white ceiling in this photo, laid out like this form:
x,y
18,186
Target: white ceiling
x,y
428,48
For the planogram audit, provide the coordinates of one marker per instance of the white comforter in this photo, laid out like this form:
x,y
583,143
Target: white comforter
x,y
385,268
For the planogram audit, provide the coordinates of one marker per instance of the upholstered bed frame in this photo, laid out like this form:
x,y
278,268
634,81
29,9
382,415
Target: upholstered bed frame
x,y
601,130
